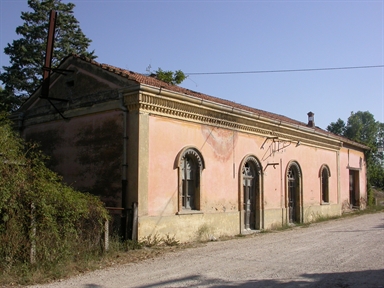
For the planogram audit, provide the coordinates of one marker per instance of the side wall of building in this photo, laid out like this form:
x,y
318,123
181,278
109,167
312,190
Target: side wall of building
x,y
86,151
353,178
223,151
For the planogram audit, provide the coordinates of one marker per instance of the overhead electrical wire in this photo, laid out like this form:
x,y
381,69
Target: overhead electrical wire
x,y
285,71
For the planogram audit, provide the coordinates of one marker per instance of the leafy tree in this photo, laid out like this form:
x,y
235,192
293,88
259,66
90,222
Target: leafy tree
x,y
337,127
7,101
363,128
27,54
173,78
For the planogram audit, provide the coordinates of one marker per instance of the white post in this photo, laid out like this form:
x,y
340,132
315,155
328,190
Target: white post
x,y
106,235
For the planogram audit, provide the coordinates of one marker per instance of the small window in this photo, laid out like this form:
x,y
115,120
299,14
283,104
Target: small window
x,y
324,183
190,167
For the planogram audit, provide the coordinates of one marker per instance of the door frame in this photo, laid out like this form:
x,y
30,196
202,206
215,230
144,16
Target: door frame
x,y
298,199
259,194
354,187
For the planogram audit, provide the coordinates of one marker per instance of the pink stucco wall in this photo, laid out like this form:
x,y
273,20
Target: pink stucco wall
x,y
223,151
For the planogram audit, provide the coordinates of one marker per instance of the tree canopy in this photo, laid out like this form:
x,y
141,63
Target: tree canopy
x,y
360,127
337,127
363,128
27,53
173,78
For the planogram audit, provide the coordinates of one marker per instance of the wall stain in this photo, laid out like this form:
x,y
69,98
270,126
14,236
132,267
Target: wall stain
x,y
99,151
49,141
222,141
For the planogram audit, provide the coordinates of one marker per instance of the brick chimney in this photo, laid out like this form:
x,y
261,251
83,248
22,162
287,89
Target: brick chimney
x,y
311,119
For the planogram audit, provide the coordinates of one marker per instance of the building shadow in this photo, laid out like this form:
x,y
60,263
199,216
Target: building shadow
x,y
367,278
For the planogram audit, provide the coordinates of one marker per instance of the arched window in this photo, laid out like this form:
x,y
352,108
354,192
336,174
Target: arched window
x,y
190,164
324,183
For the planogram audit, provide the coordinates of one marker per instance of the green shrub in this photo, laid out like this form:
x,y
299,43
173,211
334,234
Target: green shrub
x,y
43,222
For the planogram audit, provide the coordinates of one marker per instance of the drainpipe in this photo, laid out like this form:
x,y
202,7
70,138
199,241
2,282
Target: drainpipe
x,y
282,193
20,119
124,183
338,179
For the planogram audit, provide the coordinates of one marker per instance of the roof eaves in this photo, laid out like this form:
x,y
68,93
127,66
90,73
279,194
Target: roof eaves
x,y
154,82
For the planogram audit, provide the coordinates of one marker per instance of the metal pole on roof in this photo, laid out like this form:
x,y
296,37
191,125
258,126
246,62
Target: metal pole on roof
x,y
49,54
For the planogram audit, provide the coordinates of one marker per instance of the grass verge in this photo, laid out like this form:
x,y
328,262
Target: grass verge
x,y
119,253
130,252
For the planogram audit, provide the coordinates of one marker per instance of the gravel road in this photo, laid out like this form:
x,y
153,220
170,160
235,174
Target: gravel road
x,y
344,253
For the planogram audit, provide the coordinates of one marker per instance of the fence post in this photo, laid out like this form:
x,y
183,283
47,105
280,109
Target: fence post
x,y
126,224
106,235
32,235
134,221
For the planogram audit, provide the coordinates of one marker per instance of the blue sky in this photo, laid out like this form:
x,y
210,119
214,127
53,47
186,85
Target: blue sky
x,y
242,36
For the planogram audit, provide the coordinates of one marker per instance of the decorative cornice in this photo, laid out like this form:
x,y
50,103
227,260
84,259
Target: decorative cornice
x,y
182,108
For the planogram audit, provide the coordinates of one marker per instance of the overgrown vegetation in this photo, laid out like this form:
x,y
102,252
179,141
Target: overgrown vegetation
x,y
44,224
49,231
153,240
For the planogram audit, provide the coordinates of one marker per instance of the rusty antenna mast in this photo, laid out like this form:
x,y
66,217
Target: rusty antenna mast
x,y
47,68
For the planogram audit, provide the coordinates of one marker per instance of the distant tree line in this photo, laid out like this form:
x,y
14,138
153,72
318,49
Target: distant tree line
x,y
363,128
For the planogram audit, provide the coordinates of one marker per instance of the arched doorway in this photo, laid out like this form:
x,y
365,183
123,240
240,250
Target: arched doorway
x,y
251,196
294,198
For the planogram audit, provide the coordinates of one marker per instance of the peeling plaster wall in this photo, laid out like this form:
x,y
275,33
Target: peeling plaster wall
x,y
86,151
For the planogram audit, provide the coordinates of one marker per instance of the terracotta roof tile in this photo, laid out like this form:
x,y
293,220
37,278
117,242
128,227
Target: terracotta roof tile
x,y
143,79
149,80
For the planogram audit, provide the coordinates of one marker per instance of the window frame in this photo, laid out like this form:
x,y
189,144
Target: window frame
x,y
193,155
324,184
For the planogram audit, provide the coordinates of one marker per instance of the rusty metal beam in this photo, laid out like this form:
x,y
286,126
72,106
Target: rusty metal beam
x,y
49,54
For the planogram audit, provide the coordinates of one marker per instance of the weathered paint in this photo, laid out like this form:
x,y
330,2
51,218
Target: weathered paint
x,y
201,226
220,179
86,151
